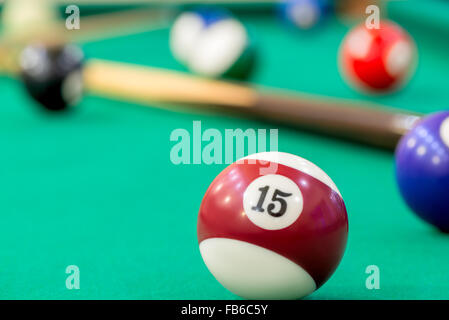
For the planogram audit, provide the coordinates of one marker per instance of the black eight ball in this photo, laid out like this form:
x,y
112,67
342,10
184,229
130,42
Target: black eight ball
x,y
52,75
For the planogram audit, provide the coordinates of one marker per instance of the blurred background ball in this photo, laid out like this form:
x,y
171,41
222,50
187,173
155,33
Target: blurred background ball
x,y
24,17
422,169
52,75
377,60
304,14
213,43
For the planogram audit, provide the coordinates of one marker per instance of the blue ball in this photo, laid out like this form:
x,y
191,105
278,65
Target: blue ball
x,y
422,169
304,14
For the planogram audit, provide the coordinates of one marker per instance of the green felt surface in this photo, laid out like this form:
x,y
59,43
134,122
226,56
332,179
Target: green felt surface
x,y
96,188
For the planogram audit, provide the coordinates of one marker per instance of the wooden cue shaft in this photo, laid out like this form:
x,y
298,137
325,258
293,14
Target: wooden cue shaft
x,y
120,23
145,84
374,125
92,27
170,2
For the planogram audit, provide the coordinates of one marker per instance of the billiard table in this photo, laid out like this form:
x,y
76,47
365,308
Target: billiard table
x,y
95,187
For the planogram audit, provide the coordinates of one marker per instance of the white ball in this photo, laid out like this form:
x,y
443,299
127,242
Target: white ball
x,y
218,48
27,16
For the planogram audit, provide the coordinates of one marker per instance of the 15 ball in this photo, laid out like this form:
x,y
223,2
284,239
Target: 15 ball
x,y
272,226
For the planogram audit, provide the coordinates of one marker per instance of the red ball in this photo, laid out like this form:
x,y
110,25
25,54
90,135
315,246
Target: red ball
x,y
377,60
272,226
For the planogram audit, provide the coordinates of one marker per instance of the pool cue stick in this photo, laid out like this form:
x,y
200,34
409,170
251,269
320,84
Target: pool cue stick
x,y
355,10
156,2
99,26
116,24
370,124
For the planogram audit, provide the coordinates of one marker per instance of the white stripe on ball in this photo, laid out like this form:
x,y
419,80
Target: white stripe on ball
x,y
253,272
297,163
399,58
